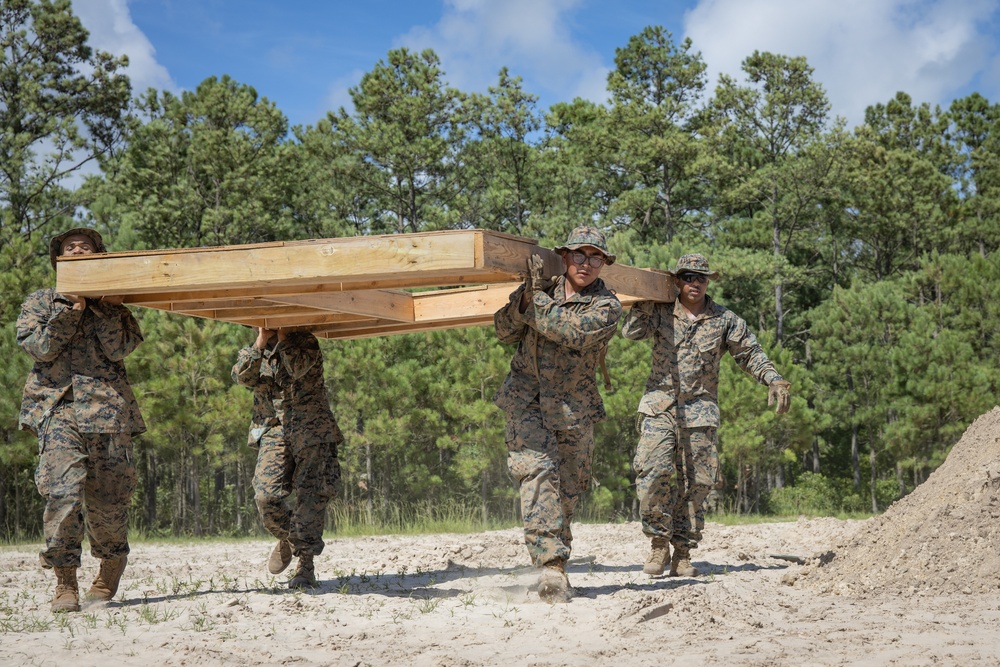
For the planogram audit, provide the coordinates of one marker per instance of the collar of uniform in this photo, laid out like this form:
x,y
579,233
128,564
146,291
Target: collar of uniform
x,y
585,295
711,310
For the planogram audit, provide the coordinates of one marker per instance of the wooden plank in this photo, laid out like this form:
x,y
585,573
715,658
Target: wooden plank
x,y
639,284
384,328
479,301
380,304
205,293
510,254
369,258
309,322
234,314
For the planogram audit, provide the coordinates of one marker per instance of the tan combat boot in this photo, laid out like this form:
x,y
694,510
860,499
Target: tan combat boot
x,y
281,557
305,574
680,564
659,556
106,584
553,584
67,597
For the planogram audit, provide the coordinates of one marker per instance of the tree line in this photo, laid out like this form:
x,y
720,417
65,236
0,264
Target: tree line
x,y
865,258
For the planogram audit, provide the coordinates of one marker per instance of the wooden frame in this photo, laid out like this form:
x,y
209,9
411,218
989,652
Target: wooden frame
x,y
339,288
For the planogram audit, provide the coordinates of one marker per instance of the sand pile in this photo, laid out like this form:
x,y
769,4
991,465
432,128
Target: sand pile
x,y
945,535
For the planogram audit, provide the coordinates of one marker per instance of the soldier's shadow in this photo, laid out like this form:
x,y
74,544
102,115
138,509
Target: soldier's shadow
x,y
428,584
517,580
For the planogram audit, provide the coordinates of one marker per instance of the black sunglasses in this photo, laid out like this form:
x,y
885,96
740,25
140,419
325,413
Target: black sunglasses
x,y
691,277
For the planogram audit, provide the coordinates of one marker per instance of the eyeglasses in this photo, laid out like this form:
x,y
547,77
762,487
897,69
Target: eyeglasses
x,y
692,277
595,261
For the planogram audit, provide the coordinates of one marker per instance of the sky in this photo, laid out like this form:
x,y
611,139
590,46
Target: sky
x,y
305,55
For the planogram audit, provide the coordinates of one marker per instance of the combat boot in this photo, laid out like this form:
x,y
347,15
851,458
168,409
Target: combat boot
x,y
680,564
659,556
553,584
305,574
106,584
67,597
281,557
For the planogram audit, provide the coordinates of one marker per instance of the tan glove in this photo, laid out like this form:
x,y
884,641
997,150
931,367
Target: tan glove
x,y
535,282
779,391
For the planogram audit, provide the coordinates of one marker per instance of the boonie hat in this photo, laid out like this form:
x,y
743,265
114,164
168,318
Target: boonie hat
x,y
592,236
55,243
694,263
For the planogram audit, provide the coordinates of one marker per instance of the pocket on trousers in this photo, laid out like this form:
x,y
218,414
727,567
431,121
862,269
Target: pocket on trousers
x,y
121,454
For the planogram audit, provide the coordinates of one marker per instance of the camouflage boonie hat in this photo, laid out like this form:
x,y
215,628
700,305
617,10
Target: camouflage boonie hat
x,y
694,263
584,236
55,243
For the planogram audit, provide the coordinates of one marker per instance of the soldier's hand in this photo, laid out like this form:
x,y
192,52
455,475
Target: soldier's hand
x,y
536,280
79,302
530,277
113,300
779,392
263,335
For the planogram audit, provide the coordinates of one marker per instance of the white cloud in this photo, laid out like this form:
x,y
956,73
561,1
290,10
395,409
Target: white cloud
x,y
111,29
862,51
338,93
532,38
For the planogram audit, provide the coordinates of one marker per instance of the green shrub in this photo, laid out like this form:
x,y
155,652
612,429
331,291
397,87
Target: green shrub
x,y
816,495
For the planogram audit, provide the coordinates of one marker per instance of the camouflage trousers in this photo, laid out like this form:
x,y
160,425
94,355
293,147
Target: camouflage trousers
x,y
552,470
676,468
308,468
87,480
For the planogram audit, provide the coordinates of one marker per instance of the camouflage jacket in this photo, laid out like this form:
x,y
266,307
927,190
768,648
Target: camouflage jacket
x,y
559,342
288,389
684,379
78,357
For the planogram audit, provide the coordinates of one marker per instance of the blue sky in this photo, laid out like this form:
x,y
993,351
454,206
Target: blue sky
x,y
304,55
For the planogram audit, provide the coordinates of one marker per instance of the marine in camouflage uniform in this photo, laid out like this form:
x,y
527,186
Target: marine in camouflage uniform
x,y
550,397
680,408
297,437
78,402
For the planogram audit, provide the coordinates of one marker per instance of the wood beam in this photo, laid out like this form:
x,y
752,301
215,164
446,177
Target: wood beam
x,y
208,292
380,304
372,258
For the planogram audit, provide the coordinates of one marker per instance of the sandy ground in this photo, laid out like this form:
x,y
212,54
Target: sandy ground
x,y
450,600
917,585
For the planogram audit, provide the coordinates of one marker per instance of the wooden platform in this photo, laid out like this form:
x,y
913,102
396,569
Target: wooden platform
x,y
342,287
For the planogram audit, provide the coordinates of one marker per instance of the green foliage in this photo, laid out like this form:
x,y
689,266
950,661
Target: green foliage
x,y
62,104
816,495
977,172
655,185
207,168
194,450
504,163
400,147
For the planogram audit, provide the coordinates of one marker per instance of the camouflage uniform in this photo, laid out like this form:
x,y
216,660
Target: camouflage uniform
x,y
296,436
681,410
79,403
551,402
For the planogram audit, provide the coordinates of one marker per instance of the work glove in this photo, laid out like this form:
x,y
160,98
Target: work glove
x,y
779,391
534,282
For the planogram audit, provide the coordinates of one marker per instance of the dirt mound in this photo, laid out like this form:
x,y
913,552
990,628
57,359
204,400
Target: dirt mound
x,y
945,535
